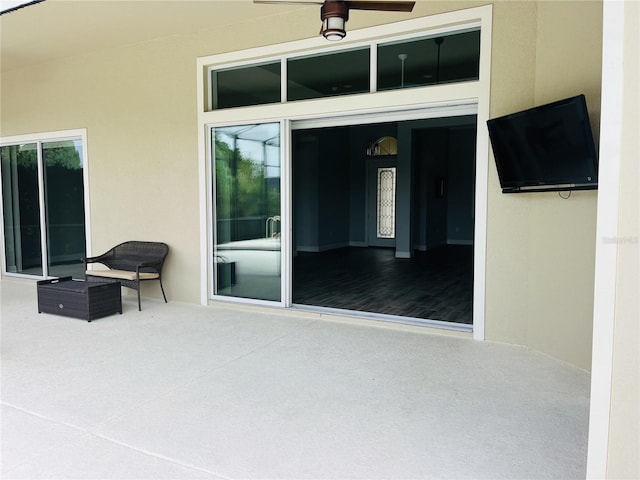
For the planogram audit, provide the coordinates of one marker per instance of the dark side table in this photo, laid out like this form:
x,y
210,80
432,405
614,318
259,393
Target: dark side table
x,y
79,299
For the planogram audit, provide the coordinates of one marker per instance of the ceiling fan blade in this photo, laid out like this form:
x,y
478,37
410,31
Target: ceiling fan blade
x,y
380,5
17,6
286,2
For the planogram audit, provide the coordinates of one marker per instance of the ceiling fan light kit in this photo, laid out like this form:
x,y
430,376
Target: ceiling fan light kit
x,y
335,13
334,16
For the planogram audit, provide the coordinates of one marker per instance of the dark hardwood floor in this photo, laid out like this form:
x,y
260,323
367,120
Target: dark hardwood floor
x,y
434,285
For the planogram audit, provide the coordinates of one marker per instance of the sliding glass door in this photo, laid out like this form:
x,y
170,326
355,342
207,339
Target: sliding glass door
x,y
64,207
21,209
247,252
43,208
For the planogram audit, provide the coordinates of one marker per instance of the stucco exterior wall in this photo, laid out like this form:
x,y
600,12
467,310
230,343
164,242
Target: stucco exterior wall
x,y
138,104
624,429
540,265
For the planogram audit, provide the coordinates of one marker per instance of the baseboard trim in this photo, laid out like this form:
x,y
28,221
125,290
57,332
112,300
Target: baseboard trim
x,y
459,242
320,248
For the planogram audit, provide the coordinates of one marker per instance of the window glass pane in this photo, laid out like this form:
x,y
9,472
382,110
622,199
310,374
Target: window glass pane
x,y
386,211
428,61
341,73
242,86
21,207
247,251
64,207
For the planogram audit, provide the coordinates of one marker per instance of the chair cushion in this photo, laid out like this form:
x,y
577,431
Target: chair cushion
x,y
121,274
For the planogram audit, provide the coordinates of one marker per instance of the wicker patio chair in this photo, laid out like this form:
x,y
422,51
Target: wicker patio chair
x,y
131,263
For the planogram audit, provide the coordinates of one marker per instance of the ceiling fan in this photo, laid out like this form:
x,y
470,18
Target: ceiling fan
x,y
8,6
335,13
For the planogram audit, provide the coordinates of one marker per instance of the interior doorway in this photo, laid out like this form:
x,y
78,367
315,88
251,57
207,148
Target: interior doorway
x,y
345,257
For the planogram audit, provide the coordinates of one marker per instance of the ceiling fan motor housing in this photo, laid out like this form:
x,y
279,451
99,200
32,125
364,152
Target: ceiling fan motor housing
x,y
334,9
334,15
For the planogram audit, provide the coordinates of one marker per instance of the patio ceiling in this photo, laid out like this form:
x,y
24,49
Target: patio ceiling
x,y
62,28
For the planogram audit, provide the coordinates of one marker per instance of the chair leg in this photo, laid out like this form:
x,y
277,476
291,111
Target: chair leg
x,y
138,290
162,288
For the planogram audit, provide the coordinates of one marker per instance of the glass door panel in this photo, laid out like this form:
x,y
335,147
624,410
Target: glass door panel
x,y
21,208
247,249
64,207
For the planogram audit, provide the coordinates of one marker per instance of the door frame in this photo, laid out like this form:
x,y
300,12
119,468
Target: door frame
x,y
426,113
428,116
39,139
362,109
285,216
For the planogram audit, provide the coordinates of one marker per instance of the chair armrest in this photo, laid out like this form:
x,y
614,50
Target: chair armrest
x,y
105,257
155,264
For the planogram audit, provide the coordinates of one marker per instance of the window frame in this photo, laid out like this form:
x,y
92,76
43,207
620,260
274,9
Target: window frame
x,y
284,58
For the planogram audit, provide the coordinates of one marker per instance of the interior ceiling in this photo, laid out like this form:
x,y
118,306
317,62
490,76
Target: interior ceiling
x,y
62,28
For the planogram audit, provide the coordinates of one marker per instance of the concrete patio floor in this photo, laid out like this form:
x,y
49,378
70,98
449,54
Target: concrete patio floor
x,y
182,391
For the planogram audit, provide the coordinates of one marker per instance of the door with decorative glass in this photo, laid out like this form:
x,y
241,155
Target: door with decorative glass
x,y
246,211
381,202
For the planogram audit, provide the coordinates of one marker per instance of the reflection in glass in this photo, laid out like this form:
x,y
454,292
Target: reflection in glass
x,y
21,207
247,252
429,61
242,86
328,75
64,207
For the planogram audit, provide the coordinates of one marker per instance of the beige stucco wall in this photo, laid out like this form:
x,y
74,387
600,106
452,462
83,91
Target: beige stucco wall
x,y
138,104
540,265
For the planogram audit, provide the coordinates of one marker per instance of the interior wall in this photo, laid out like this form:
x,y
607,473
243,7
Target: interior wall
x,y
333,182
138,103
460,185
431,157
444,159
321,164
330,191
305,192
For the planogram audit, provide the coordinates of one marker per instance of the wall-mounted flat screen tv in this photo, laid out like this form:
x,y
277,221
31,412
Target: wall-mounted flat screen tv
x,y
545,148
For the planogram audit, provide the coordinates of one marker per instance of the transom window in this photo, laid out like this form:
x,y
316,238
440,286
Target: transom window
x,y
328,75
377,66
249,85
429,61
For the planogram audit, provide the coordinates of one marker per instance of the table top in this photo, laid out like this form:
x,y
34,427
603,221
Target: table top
x,y
69,284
